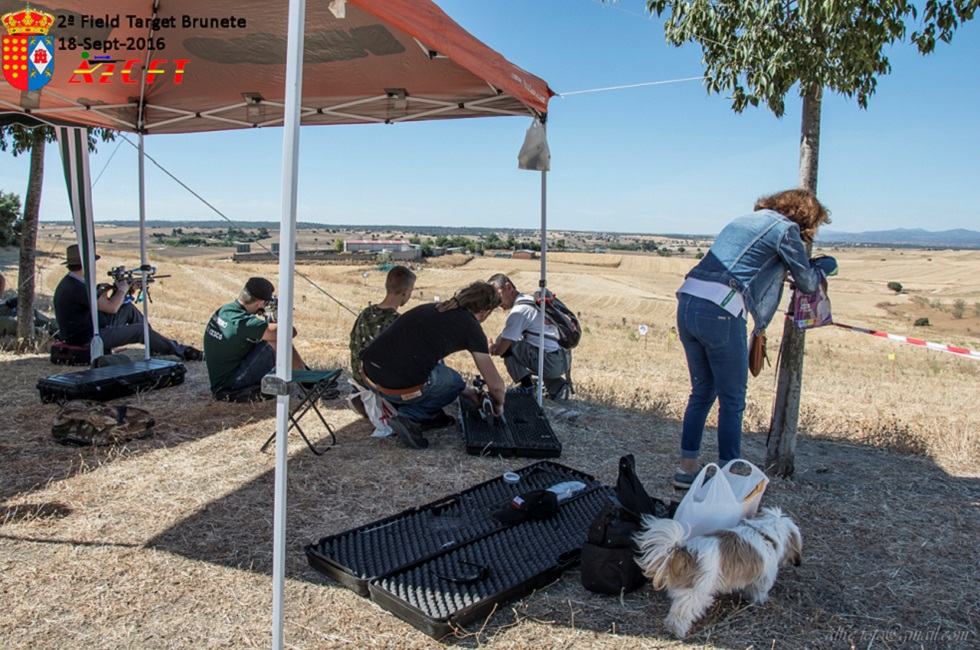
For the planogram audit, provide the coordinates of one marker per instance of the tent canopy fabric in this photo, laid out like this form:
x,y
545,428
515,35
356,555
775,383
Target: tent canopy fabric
x,y
222,65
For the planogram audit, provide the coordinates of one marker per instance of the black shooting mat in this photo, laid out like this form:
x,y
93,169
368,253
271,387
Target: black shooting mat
x,y
524,432
448,562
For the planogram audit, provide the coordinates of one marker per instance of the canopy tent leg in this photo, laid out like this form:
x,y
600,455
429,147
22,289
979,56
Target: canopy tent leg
x,y
543,282
73,142
284,339
146,292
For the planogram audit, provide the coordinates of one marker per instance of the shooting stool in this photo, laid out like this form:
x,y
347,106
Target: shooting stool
x,y
307,387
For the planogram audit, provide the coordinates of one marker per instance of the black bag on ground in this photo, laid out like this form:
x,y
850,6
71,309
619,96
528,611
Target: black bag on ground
x,y
608,565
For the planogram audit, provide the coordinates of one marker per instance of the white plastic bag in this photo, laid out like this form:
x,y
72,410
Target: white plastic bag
x,y
709,506
535,153
378,409
748,484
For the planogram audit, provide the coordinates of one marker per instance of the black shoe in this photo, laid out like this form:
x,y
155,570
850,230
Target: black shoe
x,y
409,431
441,420
193,354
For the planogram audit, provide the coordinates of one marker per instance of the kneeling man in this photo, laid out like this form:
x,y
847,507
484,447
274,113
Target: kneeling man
x,y
405,363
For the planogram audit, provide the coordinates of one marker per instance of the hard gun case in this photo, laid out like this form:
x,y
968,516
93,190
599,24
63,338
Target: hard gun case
x,y
110,382
442,565
524,431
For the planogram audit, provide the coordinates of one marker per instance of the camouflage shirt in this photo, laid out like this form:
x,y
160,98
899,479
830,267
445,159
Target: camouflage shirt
x,y
370,322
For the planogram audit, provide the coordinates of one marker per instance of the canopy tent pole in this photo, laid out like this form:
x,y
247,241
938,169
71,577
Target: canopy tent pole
x,y
73,141
146,291
543,282
284,339
536,156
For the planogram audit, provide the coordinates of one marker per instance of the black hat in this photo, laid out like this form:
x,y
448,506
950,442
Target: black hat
x,y
536,504
73,257
260,288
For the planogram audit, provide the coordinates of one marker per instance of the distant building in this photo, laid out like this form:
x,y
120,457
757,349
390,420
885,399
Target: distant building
x,y
376,245
524,255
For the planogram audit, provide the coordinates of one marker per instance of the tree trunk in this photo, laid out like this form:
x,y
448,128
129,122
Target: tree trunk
x,y
781,444
28,240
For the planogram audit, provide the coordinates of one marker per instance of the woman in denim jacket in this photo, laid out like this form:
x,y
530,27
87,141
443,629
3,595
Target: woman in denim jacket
x,y
742,273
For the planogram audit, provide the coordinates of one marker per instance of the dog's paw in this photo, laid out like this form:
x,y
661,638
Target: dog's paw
x,y
677,627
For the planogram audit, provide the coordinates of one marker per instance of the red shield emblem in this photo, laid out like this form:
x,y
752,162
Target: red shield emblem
x,y
28,61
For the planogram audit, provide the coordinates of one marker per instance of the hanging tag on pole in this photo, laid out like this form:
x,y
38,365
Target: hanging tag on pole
x,y
535,154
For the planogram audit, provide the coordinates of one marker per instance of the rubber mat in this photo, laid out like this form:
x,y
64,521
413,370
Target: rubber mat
x,y
525,430
449,562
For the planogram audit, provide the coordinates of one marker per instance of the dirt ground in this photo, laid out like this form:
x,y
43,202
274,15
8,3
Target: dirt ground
x,y
167,542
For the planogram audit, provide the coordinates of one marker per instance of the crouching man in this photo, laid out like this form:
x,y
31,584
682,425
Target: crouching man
x,y
404,364
519,340
240,344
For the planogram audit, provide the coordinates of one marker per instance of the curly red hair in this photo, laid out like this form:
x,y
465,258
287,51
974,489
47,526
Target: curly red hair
x,y
800,207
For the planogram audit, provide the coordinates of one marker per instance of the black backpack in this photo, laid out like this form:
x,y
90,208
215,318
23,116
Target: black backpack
x,y
608,564
558,314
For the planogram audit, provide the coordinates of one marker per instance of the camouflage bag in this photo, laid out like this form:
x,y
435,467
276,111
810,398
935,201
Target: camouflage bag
x,y
83,423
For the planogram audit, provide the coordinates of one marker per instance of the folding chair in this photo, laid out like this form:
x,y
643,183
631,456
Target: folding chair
x,y
306,387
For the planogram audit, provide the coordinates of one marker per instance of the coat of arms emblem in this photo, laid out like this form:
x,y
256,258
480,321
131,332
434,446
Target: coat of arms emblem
x,y
28,51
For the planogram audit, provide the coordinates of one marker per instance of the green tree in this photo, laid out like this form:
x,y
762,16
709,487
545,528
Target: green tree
x,y
338,245
9,214
22,139
755,51
895,286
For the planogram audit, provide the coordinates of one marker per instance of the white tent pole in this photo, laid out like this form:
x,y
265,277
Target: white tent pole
x,y
543,283
284,339
146,293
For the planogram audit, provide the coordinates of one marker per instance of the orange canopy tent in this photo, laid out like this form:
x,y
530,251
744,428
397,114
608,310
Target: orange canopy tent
x,y
181,66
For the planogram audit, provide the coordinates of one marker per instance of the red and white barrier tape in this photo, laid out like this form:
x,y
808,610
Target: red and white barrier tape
x,y
963,352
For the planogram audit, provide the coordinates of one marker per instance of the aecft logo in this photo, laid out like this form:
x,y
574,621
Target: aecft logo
x,y
103,68
28,51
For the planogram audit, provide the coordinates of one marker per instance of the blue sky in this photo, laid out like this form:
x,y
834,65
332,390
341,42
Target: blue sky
x,y
659,159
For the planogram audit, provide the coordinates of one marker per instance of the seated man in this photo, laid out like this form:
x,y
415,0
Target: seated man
x,y
120,322
240,344
519,340
405,363
374,319
43,325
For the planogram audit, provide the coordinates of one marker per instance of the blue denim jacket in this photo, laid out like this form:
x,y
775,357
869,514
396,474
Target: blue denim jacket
x,y
752,255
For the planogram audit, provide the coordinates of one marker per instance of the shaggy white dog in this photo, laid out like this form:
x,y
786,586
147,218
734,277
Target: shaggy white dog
x,y
745,558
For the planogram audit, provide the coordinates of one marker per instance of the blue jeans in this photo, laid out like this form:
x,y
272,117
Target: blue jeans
x,y
718,360
442,388
259,362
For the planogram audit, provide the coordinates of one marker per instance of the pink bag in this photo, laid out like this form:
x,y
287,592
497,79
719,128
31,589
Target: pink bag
x,y
812,310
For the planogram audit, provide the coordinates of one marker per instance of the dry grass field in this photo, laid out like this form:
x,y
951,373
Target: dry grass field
x,y
167,542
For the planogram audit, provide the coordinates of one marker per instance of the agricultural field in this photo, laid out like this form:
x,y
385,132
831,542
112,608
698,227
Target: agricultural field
x,y
167,542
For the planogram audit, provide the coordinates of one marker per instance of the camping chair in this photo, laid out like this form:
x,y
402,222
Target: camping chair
x,y
306,388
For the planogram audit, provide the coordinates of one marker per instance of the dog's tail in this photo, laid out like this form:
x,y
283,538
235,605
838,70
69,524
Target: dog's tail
x,y
657,541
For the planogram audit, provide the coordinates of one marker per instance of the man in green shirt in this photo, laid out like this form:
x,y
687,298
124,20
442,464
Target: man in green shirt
x,y
240,344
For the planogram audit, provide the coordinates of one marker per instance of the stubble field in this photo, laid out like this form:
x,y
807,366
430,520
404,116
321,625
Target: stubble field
x,y
167,542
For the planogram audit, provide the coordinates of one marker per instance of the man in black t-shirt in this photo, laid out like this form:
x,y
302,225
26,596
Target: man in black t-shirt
x,y
120,322
405,363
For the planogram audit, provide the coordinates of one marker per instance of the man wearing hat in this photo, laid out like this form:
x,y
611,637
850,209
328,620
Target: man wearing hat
x,y
240,344
120,322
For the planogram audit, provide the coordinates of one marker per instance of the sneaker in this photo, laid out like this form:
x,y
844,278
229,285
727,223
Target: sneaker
x,y
565,392
521,390
409,431
683,480
193,354
441,420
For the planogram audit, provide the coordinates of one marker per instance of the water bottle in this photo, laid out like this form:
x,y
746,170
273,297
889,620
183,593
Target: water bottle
x,y
564,491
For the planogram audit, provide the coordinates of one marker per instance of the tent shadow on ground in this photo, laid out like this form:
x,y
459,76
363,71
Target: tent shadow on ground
x,y
887,540
30,459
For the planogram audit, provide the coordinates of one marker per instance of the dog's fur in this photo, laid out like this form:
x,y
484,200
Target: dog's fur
x,y
745,558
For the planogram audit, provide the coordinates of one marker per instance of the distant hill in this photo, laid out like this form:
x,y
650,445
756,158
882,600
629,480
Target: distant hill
x,y
911,237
